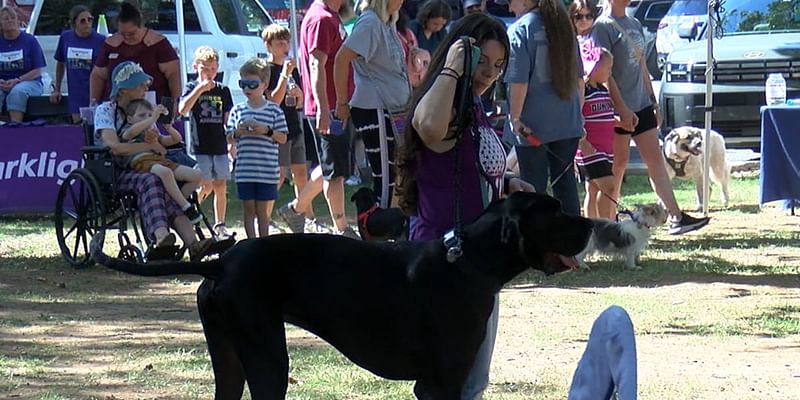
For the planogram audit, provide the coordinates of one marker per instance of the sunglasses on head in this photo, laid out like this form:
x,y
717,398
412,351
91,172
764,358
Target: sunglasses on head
x,y
249,83
579,16
85,20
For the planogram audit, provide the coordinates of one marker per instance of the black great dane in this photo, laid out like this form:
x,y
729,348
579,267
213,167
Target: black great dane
x,y
399,310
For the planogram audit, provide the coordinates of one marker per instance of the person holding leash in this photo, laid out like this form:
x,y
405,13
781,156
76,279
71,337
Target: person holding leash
x,y
463,145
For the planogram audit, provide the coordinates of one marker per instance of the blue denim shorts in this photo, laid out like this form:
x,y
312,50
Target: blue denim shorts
x,y
257,191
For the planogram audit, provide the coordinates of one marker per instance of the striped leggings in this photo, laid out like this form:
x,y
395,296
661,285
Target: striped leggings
x,y
378,133
156,207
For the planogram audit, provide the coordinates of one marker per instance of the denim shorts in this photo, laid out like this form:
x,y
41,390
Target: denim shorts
x,y
214,166
257,191
17,98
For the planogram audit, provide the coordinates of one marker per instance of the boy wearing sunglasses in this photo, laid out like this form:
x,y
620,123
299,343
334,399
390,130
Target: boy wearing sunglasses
x,y
257,127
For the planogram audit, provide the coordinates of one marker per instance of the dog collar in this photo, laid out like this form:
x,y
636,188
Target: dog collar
x,y
362,222
452,243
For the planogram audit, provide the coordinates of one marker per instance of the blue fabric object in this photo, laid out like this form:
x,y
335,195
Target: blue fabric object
x,y
780,153
608,364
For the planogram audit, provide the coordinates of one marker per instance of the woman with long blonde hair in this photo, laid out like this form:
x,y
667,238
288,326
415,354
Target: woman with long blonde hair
x,y
381,87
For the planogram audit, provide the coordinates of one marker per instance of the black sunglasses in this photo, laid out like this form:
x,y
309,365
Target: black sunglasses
x,y
249,83
85,20
579,16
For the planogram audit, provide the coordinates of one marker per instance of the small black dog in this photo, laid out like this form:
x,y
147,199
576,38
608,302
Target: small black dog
x,y
376,223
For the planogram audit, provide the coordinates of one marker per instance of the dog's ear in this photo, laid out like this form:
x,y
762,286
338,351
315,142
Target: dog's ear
x,y
354,195
516,206
672,135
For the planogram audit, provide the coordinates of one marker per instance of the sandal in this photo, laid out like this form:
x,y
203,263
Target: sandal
x,y
199,249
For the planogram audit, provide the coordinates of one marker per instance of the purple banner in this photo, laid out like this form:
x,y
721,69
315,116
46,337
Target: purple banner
x,y
33,163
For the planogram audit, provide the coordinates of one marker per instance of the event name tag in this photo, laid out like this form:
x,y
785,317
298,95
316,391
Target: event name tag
x,y
113,56
79,53
11,56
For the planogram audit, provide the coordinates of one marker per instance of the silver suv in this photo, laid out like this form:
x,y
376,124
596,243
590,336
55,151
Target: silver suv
x,y
760,37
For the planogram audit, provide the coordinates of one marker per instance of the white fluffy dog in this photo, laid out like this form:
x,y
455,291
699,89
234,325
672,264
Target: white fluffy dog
x,y
682,150
627,238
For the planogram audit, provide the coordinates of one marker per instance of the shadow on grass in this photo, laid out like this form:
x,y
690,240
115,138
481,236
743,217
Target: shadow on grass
x,y
526,388
780,321
662,272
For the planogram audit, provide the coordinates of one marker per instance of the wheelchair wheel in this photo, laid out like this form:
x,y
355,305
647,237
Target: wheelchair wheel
x,y
131,253
79,213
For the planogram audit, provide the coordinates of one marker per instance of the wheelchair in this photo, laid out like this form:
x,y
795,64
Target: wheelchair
x,y
88,201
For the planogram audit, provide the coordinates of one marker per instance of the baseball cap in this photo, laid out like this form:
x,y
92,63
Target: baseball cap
x,y
471,3
127,75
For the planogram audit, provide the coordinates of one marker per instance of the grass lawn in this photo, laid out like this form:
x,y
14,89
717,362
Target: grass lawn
x,y
716,312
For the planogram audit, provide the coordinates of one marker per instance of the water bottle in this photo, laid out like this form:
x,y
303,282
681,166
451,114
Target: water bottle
x,y
47,81
290,100
102,26
776,90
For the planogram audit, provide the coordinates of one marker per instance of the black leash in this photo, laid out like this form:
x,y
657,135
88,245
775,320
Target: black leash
x,y
452,239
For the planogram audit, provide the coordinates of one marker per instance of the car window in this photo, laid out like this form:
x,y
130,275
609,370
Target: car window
x,y
756,16
656,11
688,7
156,14
254,17
226,16
229,13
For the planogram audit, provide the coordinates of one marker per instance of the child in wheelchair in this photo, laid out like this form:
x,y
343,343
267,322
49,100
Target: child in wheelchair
x,y
141,118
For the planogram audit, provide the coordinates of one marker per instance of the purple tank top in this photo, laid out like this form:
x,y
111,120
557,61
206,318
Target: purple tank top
x,y
481,179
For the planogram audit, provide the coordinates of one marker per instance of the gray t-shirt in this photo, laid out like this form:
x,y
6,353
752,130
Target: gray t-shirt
x,y
549,116
627,71
379,71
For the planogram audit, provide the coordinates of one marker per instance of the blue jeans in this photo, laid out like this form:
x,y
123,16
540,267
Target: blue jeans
x,y
537,165
17,98
478,378
608,364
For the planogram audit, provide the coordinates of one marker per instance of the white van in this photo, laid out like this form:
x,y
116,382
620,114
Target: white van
x,y
232,27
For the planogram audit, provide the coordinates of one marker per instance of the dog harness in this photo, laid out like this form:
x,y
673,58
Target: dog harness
x,y
362,222
678,166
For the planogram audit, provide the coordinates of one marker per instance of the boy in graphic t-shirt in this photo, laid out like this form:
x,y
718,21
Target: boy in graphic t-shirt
x,y
210,102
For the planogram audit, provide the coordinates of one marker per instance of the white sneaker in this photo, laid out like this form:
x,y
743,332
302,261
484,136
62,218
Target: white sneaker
x,y
312,226
274,229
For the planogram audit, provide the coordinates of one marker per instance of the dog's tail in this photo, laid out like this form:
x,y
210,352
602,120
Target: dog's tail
x,y
210,269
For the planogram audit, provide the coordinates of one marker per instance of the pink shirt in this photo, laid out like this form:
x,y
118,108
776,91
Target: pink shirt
x,y
321,30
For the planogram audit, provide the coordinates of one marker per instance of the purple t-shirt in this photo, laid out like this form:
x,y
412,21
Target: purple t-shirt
x,y
20,56
78,55
481,180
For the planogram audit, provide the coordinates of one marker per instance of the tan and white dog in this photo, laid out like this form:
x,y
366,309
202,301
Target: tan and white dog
x,y
683,148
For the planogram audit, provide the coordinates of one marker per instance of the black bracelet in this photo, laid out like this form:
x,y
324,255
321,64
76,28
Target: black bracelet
x,y
269,132
446,74
451,70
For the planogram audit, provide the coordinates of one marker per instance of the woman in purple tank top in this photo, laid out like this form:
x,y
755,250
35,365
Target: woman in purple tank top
x,y
435,138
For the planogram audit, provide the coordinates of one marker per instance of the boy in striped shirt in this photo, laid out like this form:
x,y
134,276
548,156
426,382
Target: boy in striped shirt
x,y
257,127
